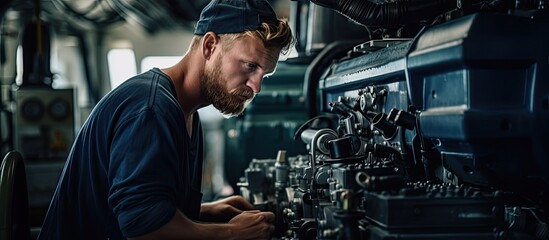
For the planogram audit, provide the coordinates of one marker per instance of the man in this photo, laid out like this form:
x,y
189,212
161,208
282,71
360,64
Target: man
x,y
135,168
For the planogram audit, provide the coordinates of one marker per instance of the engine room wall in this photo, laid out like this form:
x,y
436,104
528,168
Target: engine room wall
x,y
162,43
9,41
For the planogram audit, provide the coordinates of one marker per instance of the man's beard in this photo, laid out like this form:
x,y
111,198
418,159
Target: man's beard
x,y
230,103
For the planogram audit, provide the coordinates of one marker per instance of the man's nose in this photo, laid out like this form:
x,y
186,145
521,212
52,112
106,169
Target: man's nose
x,y
254,82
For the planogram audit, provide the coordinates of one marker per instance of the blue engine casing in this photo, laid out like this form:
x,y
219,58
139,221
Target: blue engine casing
x,y
482,84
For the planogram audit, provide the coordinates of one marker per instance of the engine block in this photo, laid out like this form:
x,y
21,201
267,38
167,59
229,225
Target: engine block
x,y
442,136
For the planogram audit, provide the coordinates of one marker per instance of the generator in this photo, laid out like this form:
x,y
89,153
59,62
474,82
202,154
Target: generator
x,y
438,135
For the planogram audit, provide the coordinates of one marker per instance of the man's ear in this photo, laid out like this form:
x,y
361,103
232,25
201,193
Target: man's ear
x,y
210,42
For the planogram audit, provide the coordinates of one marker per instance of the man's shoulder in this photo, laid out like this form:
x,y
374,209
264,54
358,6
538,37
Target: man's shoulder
x,y
145,79
150,90
145,86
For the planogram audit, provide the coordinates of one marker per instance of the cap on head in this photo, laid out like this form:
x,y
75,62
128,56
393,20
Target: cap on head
x,y
234,16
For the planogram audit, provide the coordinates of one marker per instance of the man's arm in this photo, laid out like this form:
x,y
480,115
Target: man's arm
x,y
247,225
225,209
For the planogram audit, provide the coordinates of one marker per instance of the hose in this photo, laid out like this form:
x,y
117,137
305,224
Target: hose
x,y
397,12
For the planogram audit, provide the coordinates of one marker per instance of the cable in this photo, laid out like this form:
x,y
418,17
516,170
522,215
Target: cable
x,y
308,122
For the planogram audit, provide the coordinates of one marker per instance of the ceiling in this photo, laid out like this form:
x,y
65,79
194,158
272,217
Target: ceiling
x,y
153,15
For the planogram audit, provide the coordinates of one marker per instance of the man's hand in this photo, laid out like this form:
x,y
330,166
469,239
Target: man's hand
x,y
225,209
253,225
246,225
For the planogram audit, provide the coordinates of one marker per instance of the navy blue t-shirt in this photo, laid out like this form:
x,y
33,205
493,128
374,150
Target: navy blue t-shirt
x,y
131,166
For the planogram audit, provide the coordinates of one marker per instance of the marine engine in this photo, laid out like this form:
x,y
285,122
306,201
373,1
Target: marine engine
x,y
441,134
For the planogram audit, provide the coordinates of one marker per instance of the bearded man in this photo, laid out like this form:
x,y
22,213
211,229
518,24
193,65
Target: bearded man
x,y
135,168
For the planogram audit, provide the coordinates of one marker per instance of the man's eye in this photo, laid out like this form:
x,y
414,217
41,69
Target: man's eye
x,y
251,66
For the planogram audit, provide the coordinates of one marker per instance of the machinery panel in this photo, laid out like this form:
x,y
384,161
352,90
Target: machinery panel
x,y
440,136
44,123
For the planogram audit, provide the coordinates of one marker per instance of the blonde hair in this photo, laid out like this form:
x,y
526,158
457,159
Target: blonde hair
x,y
275,36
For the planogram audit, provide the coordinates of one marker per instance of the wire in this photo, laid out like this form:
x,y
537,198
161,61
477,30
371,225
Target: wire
x,y
308,122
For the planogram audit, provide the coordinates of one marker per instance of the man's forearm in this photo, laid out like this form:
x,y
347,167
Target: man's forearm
x,y
246,225
180,227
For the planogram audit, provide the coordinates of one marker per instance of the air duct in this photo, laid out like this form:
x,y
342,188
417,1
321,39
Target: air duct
x,y
392,13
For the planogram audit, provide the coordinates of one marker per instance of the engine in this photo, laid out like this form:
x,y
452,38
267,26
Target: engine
x,y
443,135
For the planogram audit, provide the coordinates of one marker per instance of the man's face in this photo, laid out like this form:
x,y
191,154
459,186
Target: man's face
x,y
234,76
213,86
